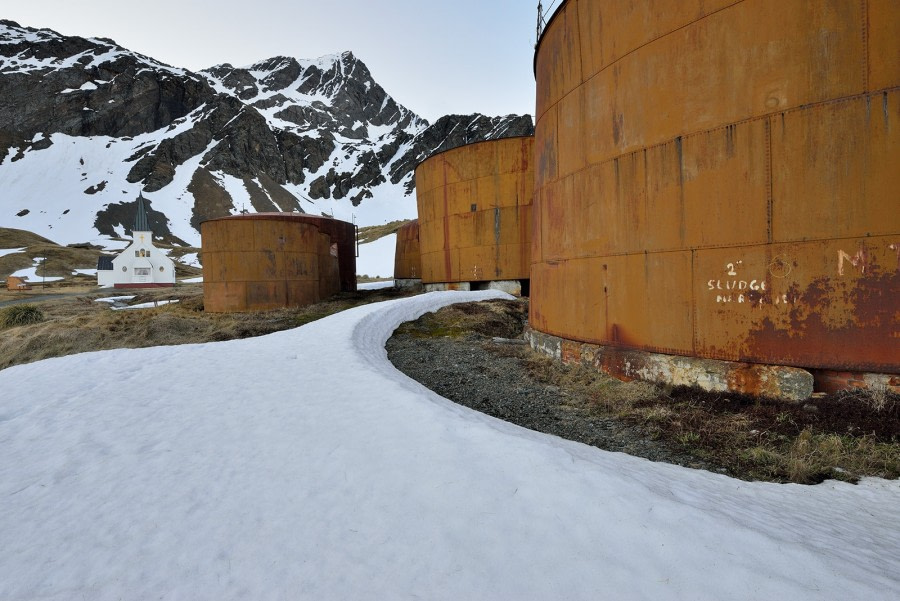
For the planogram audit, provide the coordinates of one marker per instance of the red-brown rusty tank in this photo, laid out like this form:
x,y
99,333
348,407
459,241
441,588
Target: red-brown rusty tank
x,y
720,179
474,206
265,261
342,234
407,256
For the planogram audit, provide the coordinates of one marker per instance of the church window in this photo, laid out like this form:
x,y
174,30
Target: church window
x,y
141,271
124,268
137,253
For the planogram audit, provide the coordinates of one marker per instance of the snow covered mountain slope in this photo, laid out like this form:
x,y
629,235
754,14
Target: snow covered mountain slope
x,y
86,124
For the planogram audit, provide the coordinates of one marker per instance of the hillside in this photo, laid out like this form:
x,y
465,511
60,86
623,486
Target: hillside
x,y
86,124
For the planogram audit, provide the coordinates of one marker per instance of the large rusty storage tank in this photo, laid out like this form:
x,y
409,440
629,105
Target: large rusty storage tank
x,y
407,256
270,260
343,240
474,206
720,179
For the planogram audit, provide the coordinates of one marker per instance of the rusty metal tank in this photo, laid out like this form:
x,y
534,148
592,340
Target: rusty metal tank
x,y
342,234
266,261
474,206
720,179
407,256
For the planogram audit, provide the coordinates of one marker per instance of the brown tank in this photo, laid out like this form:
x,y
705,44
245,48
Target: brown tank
x,y
407,257
719,179
344,235
474,207
271,260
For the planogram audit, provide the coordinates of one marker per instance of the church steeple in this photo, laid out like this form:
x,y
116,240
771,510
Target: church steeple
x,y
141,224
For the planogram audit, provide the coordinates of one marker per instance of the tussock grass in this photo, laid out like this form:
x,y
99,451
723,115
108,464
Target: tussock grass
x,y
20,315
501,318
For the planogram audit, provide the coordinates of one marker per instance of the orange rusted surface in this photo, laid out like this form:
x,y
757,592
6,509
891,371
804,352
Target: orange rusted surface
x,y
272,260
474,206
408,257
342,234
719,179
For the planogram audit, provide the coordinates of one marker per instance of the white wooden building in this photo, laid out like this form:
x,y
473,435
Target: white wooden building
x,y
141,264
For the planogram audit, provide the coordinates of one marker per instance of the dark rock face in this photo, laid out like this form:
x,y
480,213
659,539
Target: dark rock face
x,y
81,87
458,130
122,214
325,123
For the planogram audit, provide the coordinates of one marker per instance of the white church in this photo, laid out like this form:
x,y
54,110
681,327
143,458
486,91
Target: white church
x,y
140,265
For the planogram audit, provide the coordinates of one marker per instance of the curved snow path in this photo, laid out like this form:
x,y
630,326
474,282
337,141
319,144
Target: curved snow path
x,y
302,465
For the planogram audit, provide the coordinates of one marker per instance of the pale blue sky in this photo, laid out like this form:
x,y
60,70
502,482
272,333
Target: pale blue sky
x,y
456,56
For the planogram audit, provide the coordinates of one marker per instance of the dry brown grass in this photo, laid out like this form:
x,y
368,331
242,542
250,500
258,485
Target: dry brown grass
x,y
370,233
844,437
78,324
500,318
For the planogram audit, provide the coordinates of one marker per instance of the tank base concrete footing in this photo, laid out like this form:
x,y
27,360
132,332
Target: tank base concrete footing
x,y
830,381
513,287
407,282
771,381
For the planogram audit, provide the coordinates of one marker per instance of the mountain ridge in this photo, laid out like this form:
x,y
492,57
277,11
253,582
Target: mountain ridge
x,y
314,135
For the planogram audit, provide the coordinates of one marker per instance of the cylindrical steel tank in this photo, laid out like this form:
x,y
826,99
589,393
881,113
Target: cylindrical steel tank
x,y
270,260
342,234
720,179
474,207
407,256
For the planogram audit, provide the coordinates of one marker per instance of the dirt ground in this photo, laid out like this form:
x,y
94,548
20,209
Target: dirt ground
x,y
473,354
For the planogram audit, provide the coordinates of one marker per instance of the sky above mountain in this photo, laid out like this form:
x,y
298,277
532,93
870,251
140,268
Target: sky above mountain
x,y
436,58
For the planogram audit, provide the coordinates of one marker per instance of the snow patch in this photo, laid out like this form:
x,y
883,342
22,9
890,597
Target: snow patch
x,y
205,471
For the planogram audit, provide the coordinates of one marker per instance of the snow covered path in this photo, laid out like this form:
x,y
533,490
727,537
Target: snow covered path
x,y
301,465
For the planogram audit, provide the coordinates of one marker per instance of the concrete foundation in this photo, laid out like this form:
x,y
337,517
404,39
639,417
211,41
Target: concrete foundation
x,y
835,381
513,287
464,286
771,381
407,282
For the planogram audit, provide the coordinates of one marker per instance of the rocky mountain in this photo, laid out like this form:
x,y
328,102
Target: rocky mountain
x,y
86,124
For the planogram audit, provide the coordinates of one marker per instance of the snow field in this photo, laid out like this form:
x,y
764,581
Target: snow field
x,y
376,259
302,465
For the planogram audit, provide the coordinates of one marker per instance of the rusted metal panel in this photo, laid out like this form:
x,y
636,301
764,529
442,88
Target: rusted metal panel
x,y
828,303
636,24
407,256
882,30
747,60
842,157
558,64
264,261
757,135
623,300
475,212
725,186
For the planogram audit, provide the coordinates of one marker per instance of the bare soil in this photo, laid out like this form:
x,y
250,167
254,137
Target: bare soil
x,y
473,354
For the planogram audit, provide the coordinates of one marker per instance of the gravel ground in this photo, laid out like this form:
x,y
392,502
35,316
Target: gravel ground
x,y
490,377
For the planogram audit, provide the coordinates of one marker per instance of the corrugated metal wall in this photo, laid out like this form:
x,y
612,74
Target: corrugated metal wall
x,y
475,212
267,261
721,179
407,257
